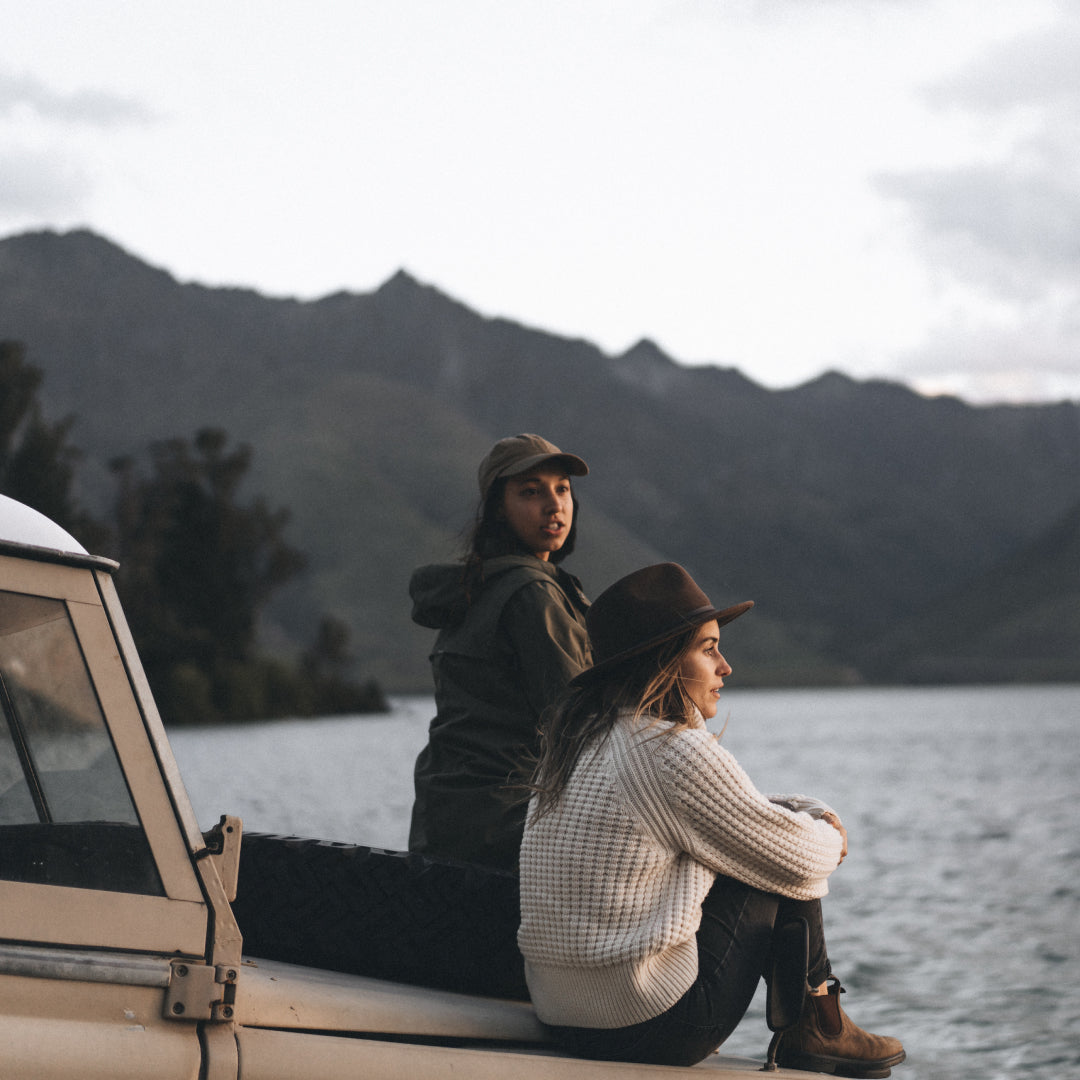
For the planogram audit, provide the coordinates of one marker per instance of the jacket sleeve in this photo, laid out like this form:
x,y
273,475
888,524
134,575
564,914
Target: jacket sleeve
x,y
548,639
700,800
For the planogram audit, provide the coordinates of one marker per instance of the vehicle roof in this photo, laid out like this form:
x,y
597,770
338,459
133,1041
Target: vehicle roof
x,y
29,533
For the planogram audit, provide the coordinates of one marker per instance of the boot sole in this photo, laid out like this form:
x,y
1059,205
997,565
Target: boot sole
x,y
864,1070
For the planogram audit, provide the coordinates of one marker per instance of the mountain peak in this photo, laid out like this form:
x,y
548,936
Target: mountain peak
x,y
402,283
831,383
77,254
646,351
399,279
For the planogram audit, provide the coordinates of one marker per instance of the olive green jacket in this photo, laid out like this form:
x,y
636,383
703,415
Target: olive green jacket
x,y
497,663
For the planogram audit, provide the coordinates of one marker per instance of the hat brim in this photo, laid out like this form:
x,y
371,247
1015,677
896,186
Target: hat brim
x,y
574,465
722,616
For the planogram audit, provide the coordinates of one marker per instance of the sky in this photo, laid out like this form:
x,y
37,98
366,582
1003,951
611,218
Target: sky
x,y
887,188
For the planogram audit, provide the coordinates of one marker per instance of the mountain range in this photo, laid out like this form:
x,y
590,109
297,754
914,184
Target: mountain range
x,y
885,536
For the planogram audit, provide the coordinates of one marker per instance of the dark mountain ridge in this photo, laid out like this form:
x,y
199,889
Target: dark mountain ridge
x,y
844,508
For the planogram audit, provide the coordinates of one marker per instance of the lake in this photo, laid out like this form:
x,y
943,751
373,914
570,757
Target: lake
x,y
954,923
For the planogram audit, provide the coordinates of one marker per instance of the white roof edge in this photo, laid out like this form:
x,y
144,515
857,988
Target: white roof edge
x,y
19,524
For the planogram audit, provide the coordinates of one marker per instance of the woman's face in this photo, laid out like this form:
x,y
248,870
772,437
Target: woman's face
x,y
702,669
539,508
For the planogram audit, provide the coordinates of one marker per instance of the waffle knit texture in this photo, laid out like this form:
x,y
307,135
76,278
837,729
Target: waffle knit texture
x,y
613,876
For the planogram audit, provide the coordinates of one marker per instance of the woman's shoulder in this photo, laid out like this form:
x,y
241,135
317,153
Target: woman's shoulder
x,y
438,595
529,581
527,566
671,746
647,724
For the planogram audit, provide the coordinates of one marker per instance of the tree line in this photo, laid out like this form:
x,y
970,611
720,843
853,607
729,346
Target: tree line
x,y
197,564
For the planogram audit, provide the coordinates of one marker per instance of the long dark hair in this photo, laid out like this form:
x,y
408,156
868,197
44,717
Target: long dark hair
x,y
647,685
490,536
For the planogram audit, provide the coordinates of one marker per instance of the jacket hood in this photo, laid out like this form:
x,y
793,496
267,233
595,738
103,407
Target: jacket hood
x,y
438,590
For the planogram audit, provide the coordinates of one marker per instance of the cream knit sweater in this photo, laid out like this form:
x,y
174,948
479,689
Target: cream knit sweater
x,y
613,876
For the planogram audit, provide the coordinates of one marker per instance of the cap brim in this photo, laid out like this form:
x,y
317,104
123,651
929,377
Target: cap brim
x,y
722,616
574,465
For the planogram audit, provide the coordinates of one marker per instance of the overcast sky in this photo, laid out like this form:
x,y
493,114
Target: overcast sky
x,y
882,187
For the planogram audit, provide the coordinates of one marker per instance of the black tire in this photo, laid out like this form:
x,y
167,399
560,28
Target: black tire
x,y
387,914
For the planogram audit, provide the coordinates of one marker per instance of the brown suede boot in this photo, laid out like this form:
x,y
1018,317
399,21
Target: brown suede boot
x,y
825,1040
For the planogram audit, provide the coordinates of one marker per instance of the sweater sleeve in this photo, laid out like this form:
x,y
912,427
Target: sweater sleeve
x,y
702,802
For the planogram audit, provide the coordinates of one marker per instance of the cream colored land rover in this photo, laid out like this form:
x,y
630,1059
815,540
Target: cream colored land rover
x,y
120,953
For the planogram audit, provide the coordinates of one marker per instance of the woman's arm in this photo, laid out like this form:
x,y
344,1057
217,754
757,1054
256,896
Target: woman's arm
x,y
704,803
804,804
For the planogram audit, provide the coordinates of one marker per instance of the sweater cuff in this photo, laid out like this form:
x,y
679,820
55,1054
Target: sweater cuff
x,y
803,804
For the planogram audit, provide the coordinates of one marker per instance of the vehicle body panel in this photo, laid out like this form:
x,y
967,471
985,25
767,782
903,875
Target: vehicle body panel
x,y
91,1030
283,1055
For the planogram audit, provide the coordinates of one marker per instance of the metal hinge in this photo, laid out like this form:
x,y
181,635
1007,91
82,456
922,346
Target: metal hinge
x,y
223,848
200,992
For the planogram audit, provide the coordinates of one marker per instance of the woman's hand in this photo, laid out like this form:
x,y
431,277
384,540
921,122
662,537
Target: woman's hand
x,y
838,825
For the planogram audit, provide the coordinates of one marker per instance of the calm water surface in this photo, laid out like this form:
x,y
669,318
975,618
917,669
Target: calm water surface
x,y
954,923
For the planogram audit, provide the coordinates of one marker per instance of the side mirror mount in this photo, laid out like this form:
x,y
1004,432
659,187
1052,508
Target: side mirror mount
x,y
223,850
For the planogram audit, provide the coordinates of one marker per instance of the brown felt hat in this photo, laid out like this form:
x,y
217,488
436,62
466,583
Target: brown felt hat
x,y
518,454
645,609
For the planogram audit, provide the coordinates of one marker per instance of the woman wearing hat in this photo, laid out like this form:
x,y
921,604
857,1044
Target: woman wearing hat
x,y
512,634
656,880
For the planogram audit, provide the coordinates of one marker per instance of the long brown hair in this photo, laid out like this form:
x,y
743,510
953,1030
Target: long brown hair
x,y
647,685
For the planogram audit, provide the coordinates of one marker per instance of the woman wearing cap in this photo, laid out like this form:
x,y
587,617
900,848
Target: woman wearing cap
x,y
512,634
656,880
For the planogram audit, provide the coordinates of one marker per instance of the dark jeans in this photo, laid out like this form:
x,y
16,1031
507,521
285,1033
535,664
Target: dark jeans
x,y
735,943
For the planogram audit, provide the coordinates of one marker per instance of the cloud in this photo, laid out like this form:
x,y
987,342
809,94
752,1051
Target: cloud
x,y
1009,228
999,226
1015,211
96,108
43,185
1001,244
1037,68
984,365
47,166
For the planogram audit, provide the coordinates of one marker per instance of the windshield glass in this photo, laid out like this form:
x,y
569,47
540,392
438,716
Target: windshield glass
x,y
66,815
